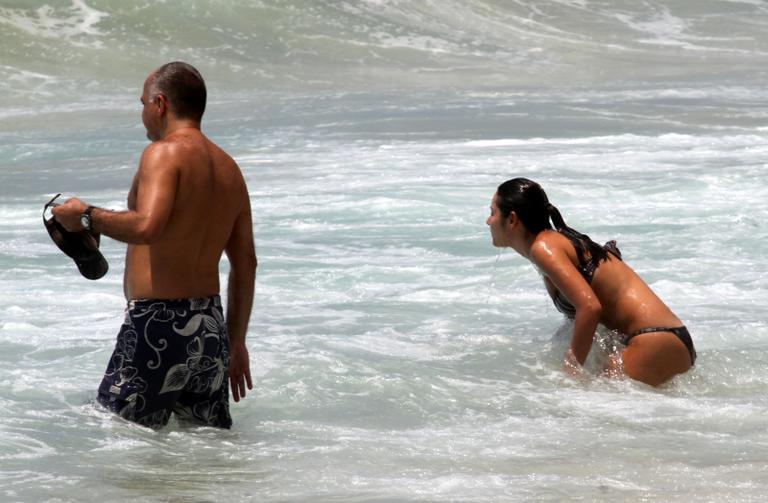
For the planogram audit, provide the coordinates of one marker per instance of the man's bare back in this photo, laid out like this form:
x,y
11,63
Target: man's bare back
x,y
209,195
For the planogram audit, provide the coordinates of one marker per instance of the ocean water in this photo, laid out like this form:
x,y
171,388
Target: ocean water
x,y
396,355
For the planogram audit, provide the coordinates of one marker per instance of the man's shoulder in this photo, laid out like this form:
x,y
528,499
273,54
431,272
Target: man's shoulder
x,y
171,150
189,151
160,148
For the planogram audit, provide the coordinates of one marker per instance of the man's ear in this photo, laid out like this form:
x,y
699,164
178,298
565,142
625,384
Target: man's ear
x,y
162,103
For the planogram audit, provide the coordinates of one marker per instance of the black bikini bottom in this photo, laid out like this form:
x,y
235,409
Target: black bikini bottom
x,y
680,332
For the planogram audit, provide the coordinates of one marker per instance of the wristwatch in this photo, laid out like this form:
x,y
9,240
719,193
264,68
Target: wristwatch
x,y
85,218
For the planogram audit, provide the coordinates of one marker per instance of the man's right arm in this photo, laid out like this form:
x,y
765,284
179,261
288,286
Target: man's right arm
x,y
241,253
152,199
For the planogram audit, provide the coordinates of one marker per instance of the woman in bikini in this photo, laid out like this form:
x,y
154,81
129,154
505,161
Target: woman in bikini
x,y
590,284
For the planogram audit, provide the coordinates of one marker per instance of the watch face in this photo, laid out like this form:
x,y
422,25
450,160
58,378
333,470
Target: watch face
x,y
85,221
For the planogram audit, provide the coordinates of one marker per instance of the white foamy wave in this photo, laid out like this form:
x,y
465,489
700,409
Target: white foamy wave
x,y
25,77
76,24
662,26
16,81
658,26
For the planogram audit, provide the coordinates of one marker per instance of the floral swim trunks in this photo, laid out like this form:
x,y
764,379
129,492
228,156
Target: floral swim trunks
x,y
170,356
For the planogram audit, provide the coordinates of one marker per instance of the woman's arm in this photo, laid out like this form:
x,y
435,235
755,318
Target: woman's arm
x,y
559,271
551,289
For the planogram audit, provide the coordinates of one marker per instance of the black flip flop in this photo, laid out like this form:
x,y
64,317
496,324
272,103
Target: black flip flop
x,y
81,246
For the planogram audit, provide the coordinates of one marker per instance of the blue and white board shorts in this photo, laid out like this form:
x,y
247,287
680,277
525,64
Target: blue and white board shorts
x,y
170,356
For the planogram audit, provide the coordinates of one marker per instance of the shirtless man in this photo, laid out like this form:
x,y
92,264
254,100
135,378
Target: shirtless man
x,y
188,205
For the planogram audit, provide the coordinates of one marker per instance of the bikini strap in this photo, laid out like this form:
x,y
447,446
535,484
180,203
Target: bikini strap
x,y
649,330
610,246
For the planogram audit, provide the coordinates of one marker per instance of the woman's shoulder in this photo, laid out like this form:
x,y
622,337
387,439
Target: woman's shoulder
x,y
551,245
551,238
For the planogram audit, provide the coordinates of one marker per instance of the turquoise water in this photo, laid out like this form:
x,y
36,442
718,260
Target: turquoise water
x,y
397,355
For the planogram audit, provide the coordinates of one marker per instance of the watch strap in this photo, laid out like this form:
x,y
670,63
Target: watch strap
x,y
87,215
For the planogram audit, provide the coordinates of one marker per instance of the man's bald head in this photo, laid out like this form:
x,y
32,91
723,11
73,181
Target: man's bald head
x,y
183,87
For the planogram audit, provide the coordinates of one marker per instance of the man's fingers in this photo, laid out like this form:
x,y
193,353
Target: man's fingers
x,y
233,386
241,385
248,378
235,393
239,377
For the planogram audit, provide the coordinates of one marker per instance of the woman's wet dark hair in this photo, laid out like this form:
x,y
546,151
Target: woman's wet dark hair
x,y
531,205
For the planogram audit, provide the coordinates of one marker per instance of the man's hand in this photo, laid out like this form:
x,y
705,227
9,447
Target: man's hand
x,y
239,370
68,214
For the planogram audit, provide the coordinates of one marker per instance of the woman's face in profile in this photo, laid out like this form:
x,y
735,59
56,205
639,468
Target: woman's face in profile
x,y
496,222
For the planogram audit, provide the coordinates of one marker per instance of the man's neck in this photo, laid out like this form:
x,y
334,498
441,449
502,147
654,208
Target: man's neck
x,y
176,126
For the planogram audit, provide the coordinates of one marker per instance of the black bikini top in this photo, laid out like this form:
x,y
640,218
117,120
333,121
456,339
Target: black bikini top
x,y
587,268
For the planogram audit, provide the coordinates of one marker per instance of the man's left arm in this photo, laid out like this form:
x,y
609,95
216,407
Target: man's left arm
x,y
157,181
